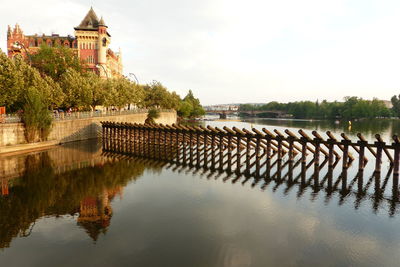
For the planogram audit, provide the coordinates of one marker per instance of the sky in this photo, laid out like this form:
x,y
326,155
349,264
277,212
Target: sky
x,y
230,51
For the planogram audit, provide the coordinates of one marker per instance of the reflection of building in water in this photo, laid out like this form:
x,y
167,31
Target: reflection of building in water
x,y
95,212
4,187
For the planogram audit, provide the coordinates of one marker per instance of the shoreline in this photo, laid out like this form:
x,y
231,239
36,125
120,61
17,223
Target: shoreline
x,y
26,148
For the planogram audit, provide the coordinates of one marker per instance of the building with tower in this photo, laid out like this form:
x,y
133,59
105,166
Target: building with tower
x,y
90,42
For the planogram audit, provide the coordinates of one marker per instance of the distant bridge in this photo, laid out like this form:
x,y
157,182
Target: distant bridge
x,y
223,113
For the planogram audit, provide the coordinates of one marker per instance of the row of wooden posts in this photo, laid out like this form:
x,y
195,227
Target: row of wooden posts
x,y
373,189
245,151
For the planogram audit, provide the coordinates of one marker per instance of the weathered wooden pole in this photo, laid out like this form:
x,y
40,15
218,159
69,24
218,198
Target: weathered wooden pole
x,y
248,153
230,145
221,150
212,149
239,135
258,141
178,154
396,146
361,153
192,141
198,146
205,147
303,142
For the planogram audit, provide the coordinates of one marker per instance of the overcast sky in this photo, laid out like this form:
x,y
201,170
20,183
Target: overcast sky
x,y
230,51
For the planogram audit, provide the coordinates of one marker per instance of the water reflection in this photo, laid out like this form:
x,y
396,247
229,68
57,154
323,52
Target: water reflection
x,y
180,215
85,193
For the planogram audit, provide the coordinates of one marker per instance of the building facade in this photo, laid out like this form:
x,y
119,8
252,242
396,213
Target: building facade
x,y
90,42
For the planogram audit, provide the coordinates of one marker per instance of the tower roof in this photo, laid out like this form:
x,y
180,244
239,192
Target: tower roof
x,y
90,22
101,22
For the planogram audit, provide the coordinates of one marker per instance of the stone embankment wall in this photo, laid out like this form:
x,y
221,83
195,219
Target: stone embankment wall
x,y
77,129
63,158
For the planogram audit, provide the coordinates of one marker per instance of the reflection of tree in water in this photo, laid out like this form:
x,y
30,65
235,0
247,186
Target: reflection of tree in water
x,y
42,192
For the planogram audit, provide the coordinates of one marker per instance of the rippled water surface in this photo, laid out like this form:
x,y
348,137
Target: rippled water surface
x,y
74,206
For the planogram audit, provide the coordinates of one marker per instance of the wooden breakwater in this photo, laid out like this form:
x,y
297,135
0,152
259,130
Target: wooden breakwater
x,y
356,191
246,152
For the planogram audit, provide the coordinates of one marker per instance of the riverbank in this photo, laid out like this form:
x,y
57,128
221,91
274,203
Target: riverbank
x,y
24,148
12,135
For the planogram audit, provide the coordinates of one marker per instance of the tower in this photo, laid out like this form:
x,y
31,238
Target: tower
x,y
16,41
93,41
103,42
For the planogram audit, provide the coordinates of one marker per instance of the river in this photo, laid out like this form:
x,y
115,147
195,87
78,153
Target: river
x,y
74,206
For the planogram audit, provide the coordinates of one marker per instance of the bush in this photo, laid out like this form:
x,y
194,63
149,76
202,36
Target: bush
x,y
151,115
36,117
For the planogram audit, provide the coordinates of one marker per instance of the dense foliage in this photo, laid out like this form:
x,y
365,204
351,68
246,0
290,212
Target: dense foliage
x,y
56,79
351,108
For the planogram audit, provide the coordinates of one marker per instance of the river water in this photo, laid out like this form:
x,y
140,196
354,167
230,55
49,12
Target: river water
x,y
74,206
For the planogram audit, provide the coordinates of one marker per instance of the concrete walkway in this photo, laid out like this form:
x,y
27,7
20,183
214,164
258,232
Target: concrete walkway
x,y
15,149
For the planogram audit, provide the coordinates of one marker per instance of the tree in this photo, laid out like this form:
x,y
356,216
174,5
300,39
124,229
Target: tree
x,y
36,117
396,105
47,87
10,81
76,88
190,106
55,61
122,92
157,96
97,88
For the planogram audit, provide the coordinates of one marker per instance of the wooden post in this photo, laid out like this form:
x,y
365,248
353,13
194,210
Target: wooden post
x,y
248,141
317,144
291,152
104,136
221,150
205,148
268,165
165,143
279,139
238,153
378,163
396,146
191,147
303,142
212,150
258,138
345,143
361,153
229,152
331,148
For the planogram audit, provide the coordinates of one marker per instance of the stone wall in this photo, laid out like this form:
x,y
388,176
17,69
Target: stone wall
x,y
78,129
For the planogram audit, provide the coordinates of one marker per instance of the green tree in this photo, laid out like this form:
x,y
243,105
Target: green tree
x,y
192,104
10,81
97,88
36,116
122,92
55,61
396,105
77,89
48,88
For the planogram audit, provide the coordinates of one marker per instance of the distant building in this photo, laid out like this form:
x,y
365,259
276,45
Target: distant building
x,y
90,43
388,103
